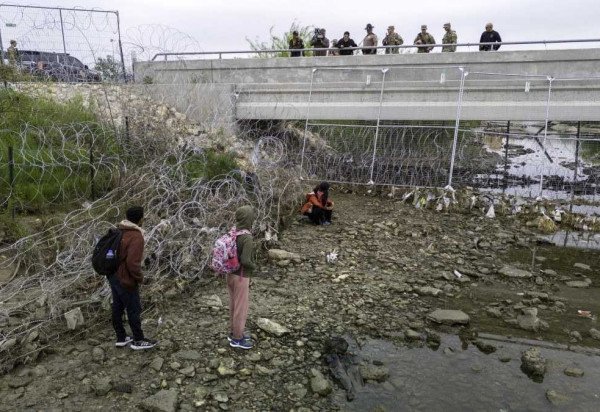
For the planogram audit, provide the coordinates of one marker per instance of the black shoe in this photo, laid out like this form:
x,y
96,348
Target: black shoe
x,y
143,344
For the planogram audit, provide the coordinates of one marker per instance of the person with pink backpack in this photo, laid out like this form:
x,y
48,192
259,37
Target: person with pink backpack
x,y
234,257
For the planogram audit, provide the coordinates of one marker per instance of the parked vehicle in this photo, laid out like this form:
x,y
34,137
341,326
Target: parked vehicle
x,y
59,67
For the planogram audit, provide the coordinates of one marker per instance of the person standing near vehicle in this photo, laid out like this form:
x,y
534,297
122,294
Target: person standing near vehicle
x,y
12,53
489,36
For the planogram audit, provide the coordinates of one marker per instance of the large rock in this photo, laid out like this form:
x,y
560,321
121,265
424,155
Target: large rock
x,y
272,327
319,384
374,372
163,401
513,272
533,364
449,317
279,254
528,319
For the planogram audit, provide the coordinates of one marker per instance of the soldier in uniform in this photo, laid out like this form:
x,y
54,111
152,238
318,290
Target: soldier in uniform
x,y
12,53
370,40
296,43
449,38
489,36
422,39
392,39
320,41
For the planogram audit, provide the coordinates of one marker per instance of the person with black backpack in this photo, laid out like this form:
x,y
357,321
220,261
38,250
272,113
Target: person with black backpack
x,y
125,282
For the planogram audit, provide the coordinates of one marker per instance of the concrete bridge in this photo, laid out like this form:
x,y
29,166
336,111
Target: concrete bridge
x,y
561,85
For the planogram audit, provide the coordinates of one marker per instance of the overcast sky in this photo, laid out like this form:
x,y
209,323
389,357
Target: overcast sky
x,y
224,25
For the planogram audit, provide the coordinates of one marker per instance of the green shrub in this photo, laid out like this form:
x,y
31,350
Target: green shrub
x,y
210,164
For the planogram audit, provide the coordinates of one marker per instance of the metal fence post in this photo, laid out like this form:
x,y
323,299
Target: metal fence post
x,y
121,48
576,165
312,76
92,172
11,179
62,30
463,75
550,79
371,181
505,183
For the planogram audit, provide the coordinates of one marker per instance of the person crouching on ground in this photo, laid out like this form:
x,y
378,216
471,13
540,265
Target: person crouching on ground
x,y
125,283
238,283
318,206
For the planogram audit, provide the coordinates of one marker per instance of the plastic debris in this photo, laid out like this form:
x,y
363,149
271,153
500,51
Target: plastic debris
x,y
332,256
584,313
458,274
491,213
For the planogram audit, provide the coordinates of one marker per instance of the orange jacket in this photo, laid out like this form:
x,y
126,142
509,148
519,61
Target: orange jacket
x,y
313,198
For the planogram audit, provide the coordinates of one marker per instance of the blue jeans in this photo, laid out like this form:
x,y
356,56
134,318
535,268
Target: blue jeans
x,y
125,300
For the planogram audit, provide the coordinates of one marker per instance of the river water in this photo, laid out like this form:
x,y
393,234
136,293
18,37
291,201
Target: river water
x,y
455,379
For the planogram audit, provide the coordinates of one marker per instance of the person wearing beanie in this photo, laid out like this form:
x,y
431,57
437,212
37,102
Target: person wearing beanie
x,y
125,283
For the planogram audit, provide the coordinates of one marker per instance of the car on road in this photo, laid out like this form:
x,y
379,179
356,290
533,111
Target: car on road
x,y
61,67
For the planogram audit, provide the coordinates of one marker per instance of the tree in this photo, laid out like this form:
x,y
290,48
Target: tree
x,y
110,68
281,43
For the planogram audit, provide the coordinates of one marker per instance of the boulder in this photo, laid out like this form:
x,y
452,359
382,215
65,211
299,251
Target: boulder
x,y
272,327
449,317
162,401
533,364
513,272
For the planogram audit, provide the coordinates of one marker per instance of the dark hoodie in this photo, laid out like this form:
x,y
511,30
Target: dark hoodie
x,y
244,217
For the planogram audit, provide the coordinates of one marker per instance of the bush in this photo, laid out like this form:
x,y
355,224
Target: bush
x,y
210,164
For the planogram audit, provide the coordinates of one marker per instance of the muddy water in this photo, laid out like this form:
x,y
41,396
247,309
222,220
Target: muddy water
x,y
455,379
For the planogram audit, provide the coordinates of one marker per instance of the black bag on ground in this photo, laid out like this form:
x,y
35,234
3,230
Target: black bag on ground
x,y
105,258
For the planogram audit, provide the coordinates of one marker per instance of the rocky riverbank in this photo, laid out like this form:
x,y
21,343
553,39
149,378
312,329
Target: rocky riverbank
x,y
384,270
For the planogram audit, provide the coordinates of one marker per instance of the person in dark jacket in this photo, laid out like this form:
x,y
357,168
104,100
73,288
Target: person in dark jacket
x,y
489,36
125,283
238,284
296,43
344,43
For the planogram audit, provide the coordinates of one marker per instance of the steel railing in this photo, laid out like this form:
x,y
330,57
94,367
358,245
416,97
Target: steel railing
x,y
403,46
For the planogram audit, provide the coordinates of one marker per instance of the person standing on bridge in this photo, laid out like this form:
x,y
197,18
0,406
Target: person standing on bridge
x,y
296,43
489,36
370,41
344,45
392,39
424,38
449,38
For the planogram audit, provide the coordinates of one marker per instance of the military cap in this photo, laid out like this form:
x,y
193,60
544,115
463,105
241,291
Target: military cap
x,y
446,24
424,27
13,42
391,27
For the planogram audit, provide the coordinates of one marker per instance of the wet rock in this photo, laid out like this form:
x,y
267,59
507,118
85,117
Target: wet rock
x,y
595,333
271,327
372,372
101,386
513,272
162,401
556,398
319,384
533,364
574,372
484,347
449,317
579,283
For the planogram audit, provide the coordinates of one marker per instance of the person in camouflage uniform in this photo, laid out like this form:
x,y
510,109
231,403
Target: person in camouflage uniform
x,y
12,53
449,38
424,38
392,39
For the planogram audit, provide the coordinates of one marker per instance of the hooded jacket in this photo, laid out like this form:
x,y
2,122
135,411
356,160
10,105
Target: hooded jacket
x,y
131,252
244,217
